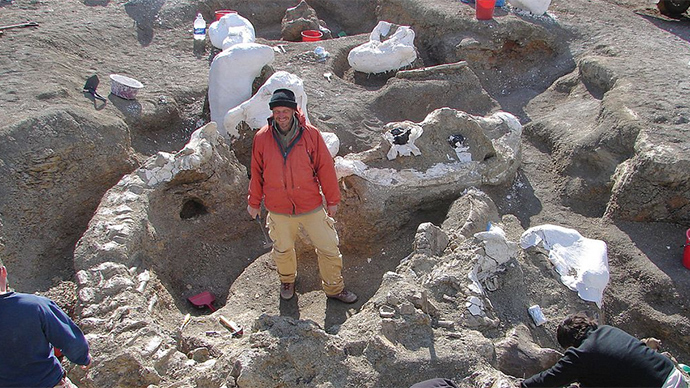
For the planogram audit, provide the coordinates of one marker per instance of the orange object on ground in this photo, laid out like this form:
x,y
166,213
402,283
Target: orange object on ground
x,y
484,9
222,12
205,299
311,35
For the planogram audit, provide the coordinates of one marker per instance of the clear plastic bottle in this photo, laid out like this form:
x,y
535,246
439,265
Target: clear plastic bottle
x,y
199,27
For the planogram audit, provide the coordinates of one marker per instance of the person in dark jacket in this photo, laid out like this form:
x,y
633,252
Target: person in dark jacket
x,y
293,174
435,383
605,356
31,327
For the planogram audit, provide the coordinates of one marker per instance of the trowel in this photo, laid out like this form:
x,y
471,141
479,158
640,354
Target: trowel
x,y
267,241
205,299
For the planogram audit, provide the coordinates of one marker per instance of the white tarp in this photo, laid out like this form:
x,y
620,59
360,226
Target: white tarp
x,y
232,74
582,262
230,30
378,56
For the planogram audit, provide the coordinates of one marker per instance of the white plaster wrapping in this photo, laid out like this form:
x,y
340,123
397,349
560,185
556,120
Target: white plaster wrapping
x,y
582,262
476,306
232,74
393,53
332,142
497,249
403,149
198,150
230,30
506,143
255,110
537,7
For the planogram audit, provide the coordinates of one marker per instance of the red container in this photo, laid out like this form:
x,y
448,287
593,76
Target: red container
x,y
312,35
222,12
485,9
686,250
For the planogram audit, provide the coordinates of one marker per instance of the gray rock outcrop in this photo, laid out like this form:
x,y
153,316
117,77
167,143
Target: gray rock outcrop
x,y
381,194
300,18
53,169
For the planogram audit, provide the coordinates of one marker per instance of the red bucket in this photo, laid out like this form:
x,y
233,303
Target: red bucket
x,y
686,250
485,9
222,12
311,35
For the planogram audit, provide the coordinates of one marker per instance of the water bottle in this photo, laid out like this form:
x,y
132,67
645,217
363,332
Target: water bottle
x,y
537,315
199,27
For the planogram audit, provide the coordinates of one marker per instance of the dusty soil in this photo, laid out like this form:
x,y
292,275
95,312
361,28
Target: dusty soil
x,y
45,67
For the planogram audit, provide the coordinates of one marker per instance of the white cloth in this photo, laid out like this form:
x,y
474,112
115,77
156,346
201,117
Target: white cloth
x,y
582,262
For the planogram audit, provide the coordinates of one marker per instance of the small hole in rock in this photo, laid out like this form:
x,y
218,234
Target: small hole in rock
x,y
192,208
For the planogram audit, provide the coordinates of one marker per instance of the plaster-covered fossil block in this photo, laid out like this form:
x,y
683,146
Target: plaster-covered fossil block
x,y
232,74
255,110
230,30
384,52
537,7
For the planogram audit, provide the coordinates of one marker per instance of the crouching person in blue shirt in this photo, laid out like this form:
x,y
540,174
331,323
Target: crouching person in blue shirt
x,y
30,326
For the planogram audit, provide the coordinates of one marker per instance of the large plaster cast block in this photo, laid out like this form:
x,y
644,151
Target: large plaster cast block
x,y
230,30
501,137
378,56
537,7
232,74
255,110
582,262
198,150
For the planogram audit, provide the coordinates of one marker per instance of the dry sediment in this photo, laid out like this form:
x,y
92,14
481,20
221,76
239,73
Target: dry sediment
x,y
603,152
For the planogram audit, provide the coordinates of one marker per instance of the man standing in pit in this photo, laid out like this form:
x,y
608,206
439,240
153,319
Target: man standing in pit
x,y
292,172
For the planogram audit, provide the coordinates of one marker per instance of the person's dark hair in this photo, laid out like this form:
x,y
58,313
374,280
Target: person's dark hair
x,y
574,329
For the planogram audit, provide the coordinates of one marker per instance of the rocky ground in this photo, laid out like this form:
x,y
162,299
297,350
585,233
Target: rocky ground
x,y
597,85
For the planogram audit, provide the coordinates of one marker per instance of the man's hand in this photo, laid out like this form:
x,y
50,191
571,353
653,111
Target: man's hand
x,y
88,363
331,210
253,212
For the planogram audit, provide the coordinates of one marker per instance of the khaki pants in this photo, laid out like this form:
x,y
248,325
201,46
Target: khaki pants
x,y
284,230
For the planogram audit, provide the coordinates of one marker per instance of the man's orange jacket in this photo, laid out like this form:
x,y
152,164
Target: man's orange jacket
x,y
290,181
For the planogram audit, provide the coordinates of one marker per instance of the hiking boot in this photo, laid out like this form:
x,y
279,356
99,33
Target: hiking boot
x,y
287,291
344,296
